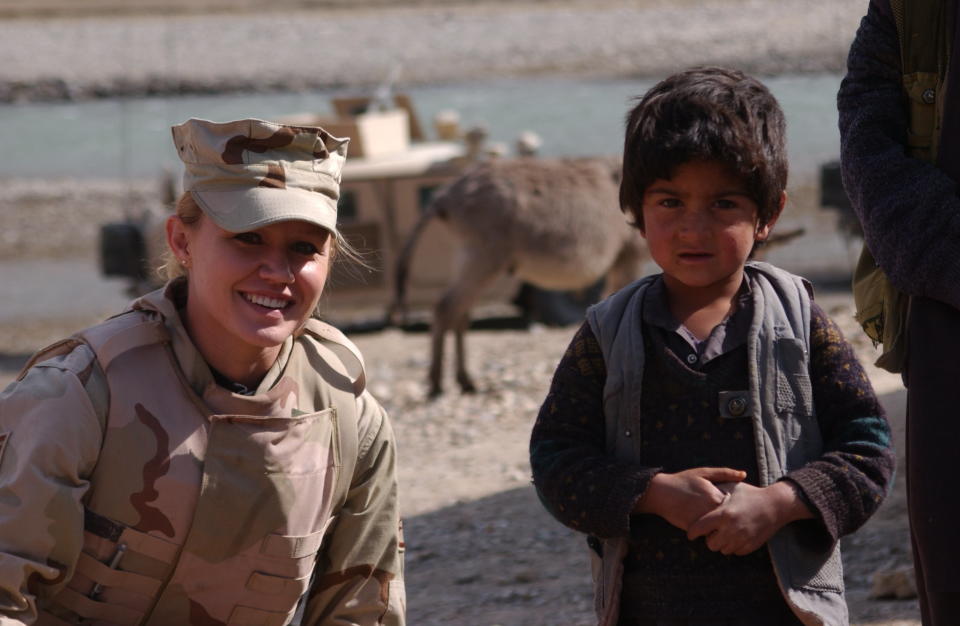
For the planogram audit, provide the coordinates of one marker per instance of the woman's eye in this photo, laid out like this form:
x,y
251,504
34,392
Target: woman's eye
x,y
305,248
250,237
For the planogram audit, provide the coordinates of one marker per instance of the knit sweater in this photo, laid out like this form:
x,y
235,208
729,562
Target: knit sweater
x,y
909,209
590,491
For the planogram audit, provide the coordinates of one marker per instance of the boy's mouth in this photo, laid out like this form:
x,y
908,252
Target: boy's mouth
x,y
694,256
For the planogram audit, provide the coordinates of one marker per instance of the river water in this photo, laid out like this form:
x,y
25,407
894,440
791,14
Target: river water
x,y
130,138
121,138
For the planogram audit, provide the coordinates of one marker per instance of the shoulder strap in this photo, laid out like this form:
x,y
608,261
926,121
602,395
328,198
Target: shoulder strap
x,y
342,355
343,349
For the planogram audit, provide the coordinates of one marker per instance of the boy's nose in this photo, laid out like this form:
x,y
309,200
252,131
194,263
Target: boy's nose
x,y
693,223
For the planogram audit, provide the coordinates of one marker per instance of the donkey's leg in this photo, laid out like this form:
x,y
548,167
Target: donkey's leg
x,y
479,272
438,331
463,378
453,312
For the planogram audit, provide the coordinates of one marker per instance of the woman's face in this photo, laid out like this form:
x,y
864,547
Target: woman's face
x,y
250,290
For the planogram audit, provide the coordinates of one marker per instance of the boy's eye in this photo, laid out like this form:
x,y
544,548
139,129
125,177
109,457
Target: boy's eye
x,y
670,203
251,237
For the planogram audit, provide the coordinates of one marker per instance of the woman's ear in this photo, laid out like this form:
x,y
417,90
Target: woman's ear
x,y
178,239
764,231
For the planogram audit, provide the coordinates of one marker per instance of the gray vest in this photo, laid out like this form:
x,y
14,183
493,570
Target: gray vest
x,y
785,427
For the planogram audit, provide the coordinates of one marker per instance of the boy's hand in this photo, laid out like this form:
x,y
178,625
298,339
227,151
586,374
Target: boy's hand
x,y
749,517
686,496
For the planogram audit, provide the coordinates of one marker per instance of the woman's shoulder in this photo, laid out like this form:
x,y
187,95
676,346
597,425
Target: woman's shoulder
x,y
65,373
76,366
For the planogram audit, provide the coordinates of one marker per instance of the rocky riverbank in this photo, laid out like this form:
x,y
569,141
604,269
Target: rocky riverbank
x,y
174,52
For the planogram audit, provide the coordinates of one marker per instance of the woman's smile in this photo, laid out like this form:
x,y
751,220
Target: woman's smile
x,y
273,303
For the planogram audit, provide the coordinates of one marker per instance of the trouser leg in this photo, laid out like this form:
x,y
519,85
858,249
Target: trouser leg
x,y
933,445
942,608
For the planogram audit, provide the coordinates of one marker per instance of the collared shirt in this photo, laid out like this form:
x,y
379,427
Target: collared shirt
x,y
730,333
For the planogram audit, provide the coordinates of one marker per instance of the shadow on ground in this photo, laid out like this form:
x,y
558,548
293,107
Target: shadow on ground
x,y
497,560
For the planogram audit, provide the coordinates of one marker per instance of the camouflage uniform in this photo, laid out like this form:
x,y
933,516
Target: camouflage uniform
x,y
212,507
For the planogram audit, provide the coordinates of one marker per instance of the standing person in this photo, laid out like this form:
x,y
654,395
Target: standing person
x,y
709,428
904,190
209,456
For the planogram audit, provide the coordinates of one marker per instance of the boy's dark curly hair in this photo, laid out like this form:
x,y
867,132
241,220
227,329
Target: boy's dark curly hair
x,y
706,114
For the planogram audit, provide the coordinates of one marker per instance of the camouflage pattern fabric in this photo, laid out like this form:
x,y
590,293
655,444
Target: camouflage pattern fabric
x,y
169,500
249,173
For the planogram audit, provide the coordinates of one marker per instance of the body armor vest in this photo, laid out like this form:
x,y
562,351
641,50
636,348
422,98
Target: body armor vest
x,y
210,508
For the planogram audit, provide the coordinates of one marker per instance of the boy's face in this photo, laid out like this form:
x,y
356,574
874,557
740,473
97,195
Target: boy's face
x,y
701,225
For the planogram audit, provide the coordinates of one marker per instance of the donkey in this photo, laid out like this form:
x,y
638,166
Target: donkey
x,y
554,223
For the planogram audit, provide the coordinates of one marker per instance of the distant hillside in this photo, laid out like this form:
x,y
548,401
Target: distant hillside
x,y
86,8
111,48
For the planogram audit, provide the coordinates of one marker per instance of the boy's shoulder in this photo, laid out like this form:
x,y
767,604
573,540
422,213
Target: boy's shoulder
x,y
616,302
778,274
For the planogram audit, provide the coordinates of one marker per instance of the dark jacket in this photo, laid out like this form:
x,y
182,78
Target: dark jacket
x,y
909,209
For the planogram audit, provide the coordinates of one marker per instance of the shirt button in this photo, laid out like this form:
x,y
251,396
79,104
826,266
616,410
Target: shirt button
x,y
691,358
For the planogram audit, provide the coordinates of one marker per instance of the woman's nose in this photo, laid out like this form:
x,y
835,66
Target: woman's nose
x,y
276,267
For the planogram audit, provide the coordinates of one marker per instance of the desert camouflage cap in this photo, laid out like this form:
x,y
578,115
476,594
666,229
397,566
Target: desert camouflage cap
x,y
249,173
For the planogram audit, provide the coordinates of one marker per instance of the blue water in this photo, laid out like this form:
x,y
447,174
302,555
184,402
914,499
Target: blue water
x,y
127,138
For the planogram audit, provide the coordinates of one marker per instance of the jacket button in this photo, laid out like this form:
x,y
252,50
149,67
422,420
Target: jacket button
x,y
626,433
736,406
928,96
691,358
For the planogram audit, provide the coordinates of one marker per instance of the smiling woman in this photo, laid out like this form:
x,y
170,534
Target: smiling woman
x,y
248,291
264,475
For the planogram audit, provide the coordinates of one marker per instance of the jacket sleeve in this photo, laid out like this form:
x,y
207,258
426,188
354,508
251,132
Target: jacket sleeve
x,y
51,420
909,208
359,578
846,485
576,480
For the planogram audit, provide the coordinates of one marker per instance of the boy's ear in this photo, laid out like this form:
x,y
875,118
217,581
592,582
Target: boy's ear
x,y
764,231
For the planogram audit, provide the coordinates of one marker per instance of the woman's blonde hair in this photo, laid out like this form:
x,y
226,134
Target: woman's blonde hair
x,y
190,213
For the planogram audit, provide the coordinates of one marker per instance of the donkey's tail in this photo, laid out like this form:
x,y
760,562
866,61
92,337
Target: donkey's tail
x,y
397,311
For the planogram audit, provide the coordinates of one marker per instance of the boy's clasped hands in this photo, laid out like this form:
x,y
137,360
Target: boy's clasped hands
x,y
713,502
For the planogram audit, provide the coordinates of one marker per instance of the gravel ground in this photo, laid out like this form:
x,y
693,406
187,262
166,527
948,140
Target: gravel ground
x,y
86,57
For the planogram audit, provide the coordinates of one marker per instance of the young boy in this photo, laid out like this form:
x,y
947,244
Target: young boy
x,y
709,428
